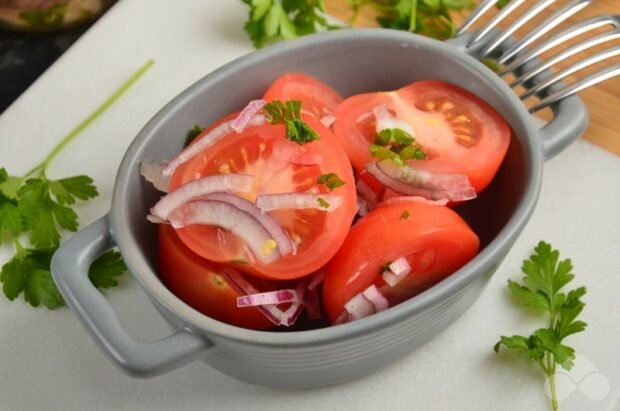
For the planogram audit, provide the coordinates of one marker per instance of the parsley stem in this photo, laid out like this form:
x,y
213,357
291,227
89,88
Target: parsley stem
x,y
551,374
92,117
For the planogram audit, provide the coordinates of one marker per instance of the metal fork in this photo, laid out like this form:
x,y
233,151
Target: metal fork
x,y
530,72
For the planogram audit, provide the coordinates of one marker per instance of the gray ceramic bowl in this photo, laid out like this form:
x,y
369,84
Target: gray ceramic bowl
x,y
351,61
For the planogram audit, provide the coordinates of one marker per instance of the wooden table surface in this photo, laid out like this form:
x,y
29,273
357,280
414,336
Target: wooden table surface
x,y
603,101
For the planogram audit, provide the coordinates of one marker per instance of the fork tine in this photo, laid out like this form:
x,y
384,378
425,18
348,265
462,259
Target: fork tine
x,y
510,30
549,24
588,61
574,88
567,34
569,52
495,20
475,15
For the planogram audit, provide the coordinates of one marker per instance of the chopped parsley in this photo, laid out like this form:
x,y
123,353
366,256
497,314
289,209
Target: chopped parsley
x,y
289,114
331,180
322,202
405,215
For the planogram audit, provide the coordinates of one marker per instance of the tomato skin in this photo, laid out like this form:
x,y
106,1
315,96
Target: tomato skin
x,y
202,285
434,240
439,130
327,231
317,97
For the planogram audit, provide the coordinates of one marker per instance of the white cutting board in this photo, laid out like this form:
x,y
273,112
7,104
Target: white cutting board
x,y
47,361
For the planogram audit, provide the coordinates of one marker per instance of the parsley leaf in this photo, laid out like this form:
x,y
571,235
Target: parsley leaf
x,y
405,215
331,180
545,277
275,20
44,204
106,269
28,272
289,114
384,153
192,134
397,145
322,202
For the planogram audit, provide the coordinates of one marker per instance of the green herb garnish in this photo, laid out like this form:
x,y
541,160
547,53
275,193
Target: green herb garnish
x,y
275,20
384,153
544,277
331,180
49,18
192,134
322,202
405,215
289,114
397,145
41,208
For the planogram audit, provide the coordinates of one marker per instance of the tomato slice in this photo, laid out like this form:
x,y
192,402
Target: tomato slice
x,y
202,285
434,240
460,133
264,152
318,99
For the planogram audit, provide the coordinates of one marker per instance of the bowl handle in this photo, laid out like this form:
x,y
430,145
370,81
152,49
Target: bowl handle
x,y
70,266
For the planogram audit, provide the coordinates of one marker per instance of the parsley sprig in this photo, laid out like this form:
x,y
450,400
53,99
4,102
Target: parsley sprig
x,y
544,277
397,145
40,208
275,20
289,114
331,181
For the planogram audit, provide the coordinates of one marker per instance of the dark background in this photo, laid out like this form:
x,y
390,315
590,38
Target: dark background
x,y
25,56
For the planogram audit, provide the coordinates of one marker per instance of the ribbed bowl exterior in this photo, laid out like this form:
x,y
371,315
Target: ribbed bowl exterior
x,y
335,362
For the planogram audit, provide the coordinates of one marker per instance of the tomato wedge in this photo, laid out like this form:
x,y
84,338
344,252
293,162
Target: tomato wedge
x,y
460,133
318,99
264,152
202,285
434,240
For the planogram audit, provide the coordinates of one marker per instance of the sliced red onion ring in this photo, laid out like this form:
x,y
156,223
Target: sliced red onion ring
x,y
374,295
286,246
367,193
385,120
243,119
207,141
273,313
197,188
228,217
457,194
328,120
364,304
323,202
413,199
271,297
359,307
151,170
423,178
316,279
399,269
295,154
362,207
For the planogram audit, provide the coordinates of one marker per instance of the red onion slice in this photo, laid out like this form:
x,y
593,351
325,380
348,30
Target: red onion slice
x,y
244,118
374,295
207,141
413,199
228,217
359,307
399,269
271,297
328,120
316,279
313,306
273,313
385,120
285,245
151,170
457,194
197,188
423,178
323,202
